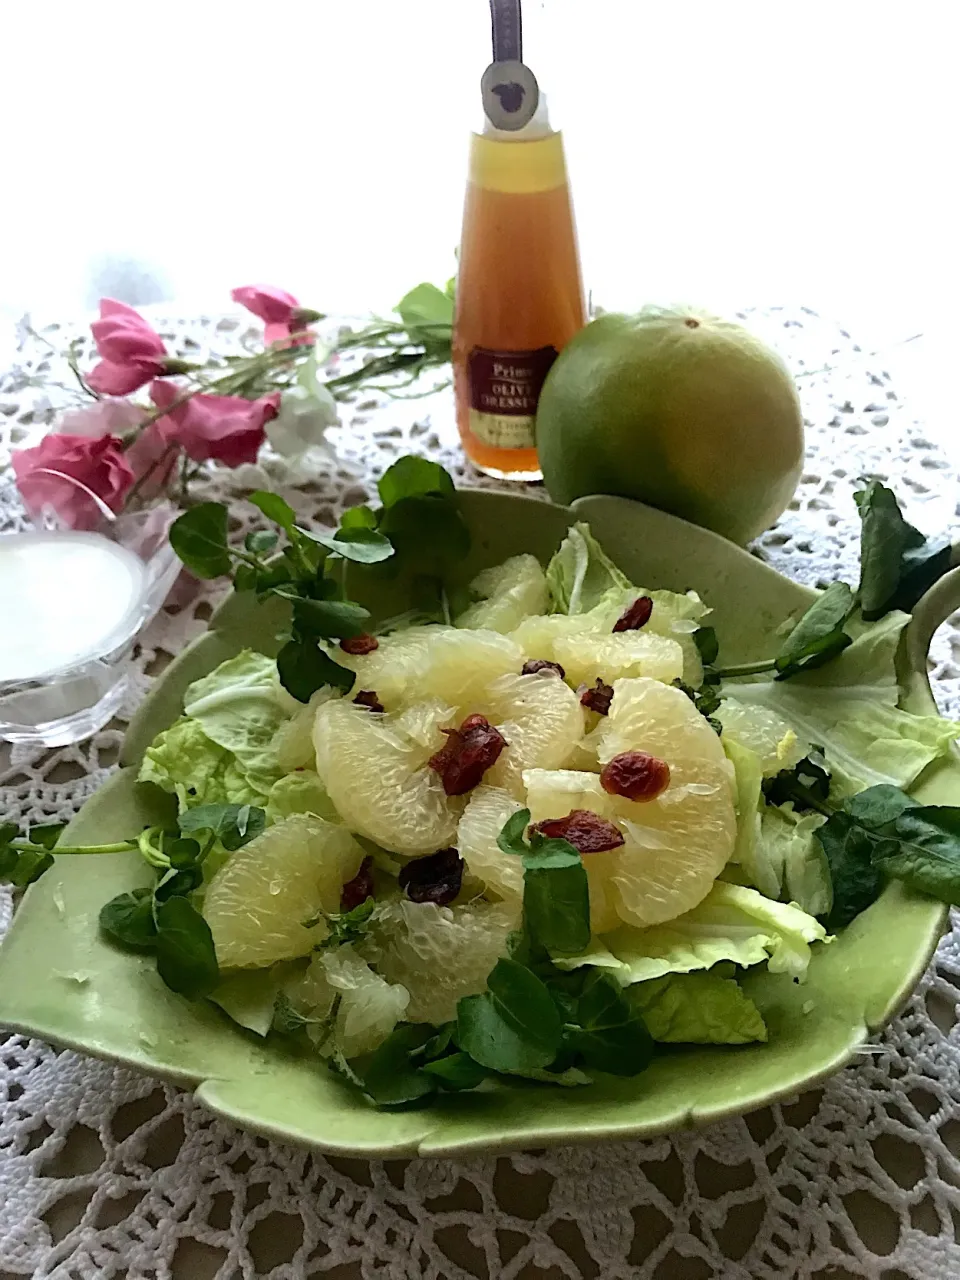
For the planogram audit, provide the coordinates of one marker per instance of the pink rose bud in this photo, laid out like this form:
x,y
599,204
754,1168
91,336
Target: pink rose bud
x,y
284,319
83,466
131,352
225,429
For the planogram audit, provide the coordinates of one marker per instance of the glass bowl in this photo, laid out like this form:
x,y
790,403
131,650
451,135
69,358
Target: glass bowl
x,y
78,600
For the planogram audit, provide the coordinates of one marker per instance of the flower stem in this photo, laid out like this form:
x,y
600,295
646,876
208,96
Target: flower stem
x,y
121,846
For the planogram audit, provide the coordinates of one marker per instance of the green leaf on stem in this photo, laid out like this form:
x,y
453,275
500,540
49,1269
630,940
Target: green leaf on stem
x,y
848,847
514,1026
199,537
47,835
897,563
276,509
21,867
234,825
428,532
556,896
414,477
260,541
186,958
921,847
335,619
610,1034
358,517
457,1071
128,920
304,668
387,1076
427,315
819,635
511,838
360,544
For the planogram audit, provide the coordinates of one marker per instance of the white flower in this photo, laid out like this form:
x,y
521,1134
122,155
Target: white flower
x,y
305,414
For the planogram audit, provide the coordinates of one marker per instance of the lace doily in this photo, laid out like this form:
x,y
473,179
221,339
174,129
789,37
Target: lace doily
x,y
108,1174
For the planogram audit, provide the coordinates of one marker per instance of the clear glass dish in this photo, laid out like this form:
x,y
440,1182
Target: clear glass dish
x,y
77,602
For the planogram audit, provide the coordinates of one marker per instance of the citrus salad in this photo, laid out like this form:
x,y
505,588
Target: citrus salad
x,y
537,837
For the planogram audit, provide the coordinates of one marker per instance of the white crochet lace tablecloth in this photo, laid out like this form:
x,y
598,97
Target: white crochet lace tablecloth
x,y
104,1173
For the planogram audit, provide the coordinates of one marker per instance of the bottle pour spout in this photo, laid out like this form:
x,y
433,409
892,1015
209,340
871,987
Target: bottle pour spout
x,y
508,87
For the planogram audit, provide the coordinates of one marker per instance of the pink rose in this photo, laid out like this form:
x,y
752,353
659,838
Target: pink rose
x,y
86,466
227,429
131,351
145,452
283,317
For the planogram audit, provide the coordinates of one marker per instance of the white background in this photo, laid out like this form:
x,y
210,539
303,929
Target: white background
x,y
725,154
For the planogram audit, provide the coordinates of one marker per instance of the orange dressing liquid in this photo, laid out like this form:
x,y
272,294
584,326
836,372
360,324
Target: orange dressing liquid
x,y
519,297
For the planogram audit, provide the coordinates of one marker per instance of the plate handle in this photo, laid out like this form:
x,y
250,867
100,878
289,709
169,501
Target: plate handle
x,y
932,609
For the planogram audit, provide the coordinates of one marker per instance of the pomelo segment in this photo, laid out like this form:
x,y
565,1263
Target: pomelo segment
x,y
438,662
542,720
508,592
370,1007
678,843
378,778
439,953
488,808
258,901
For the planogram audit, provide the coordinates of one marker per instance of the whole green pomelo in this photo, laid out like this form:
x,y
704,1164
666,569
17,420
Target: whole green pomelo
x,y
677,409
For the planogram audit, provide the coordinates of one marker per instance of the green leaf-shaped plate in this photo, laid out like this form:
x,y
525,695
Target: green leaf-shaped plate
x,y
60,981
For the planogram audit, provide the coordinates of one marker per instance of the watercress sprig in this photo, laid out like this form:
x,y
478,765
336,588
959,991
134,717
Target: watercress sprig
x,y
532,1020
877,835
897,565
418,528
159,919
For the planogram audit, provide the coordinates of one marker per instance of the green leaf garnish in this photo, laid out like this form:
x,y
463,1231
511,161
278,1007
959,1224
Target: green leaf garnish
x,y
514,1025
556,897
897,563
234,825
199,537
819,635
609,1034
359,543
457,1071
128,919
387,1076
329,618
413,477
304,668
276,509
260,541
186,959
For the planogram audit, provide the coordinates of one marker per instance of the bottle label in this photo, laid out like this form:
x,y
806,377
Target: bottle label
x,y
504,390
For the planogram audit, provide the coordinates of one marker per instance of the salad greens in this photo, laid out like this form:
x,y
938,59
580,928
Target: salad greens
x,y
821,760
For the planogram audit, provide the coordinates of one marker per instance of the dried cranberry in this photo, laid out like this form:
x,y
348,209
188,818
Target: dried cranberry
x,y
636,775
637,616
436,878
586,831
368,698
359,889
533,665
598,698
467,754
360,645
